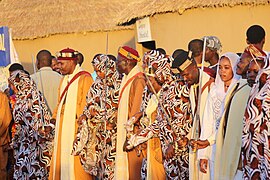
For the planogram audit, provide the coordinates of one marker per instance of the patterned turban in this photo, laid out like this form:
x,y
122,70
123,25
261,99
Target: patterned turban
x,y
161,63
103,63
213,43
22,81
255,52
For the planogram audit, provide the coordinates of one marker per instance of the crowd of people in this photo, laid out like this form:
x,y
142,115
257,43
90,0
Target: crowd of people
x,y
195,114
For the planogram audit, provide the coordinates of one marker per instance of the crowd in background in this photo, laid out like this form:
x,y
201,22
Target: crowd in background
x,y
195,114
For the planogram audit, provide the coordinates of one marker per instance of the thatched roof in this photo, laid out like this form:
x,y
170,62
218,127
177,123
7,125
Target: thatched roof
x,y
144,8
31,19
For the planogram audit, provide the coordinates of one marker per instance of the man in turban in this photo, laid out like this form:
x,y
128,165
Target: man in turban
x,y
71,100
128,164
213,48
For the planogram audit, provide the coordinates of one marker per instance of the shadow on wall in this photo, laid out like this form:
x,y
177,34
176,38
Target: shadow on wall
x,y
28,67
130,43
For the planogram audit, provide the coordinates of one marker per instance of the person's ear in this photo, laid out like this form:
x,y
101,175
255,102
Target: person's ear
x,y
263,41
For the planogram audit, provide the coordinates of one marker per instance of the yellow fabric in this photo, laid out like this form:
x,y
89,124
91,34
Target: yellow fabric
x,y
126,110
64,165
135,101
5,119
155,169
227,158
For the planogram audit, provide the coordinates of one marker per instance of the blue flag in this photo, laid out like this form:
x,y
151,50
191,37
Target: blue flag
x,y
4,46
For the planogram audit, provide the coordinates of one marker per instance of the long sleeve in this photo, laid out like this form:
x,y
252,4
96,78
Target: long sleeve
x,y
145,134
136,96
85,83
5,118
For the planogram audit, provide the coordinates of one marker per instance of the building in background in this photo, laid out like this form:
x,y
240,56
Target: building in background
x,y
85,25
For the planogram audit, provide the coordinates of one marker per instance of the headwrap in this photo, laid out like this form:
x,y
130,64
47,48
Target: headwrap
x,y
3,80
181,62
105,64
22,81
129,53
255,136
219,84
67,54
213,43
163,70
255,52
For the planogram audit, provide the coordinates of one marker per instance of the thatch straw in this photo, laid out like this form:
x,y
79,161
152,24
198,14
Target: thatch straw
x,y
144,8
31,19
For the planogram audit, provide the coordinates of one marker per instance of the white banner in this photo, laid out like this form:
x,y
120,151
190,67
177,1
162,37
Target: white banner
x,y
143,30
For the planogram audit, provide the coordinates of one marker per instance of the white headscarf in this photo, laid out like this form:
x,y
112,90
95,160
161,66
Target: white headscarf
x,y
214,108
217,91
219,84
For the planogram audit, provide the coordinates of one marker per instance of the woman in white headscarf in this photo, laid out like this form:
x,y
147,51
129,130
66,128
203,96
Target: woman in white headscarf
x,y
224,83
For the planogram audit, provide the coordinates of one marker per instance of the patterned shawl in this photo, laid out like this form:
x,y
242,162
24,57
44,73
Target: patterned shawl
x,y
32,149
102,98
255,138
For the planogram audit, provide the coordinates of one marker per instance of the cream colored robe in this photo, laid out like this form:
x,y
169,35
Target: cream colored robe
x,y
129,104
228,147
193,163
64,165
48,82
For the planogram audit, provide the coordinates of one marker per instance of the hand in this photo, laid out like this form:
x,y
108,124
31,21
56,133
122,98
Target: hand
x,y
44,131
203,165
81,118
201,144
182,142
169,152
193,145
53,121
137,116
127,147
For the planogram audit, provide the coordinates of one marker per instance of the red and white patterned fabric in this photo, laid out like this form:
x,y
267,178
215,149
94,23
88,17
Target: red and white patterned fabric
x,y
256,130
32,150
96,138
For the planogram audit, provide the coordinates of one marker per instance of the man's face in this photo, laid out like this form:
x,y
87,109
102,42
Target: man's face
x,y
55,65
100,74
252,72
190,74
208,54
37,64
242,65
121,64
66,66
